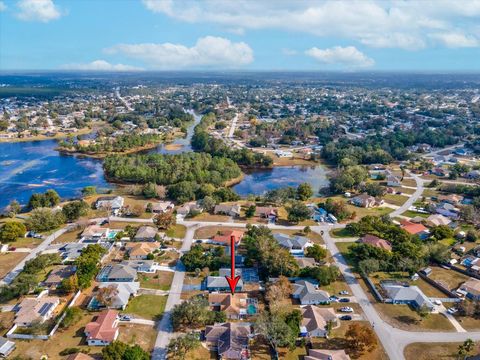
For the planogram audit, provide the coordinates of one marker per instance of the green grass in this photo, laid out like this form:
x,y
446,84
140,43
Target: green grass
x,y
341,233
448,241
412,214
159,281
176,231
148,307
395,199
343,248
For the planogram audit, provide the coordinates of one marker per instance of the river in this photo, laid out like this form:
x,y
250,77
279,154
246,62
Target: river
x,y
35,166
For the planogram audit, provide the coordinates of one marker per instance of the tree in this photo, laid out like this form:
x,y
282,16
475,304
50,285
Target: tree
x,y
293,320
51,198
180,346
208,203
471,236
150,190
72,316
304,191
118,350
73,210
307,230
423,311
44,219
250,211
70,284
441,232
165,220
13,208
298,211
89,190
361,337
12,230
465,348
275,330
105,295
317,252
191,313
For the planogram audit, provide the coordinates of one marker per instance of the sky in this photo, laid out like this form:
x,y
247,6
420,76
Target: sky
x,y
297,35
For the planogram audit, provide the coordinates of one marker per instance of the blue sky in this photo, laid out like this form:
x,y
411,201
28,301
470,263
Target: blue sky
x,y
121,35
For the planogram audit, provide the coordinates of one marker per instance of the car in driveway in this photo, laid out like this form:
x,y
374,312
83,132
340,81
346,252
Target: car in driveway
x,y
452,310
333,298
347,309
125,318
344,300
344,292
346,317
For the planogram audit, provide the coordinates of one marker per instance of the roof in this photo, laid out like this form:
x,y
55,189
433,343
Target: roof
x,y
123,292
291,242
141,248
438,219
472,286
225,236
220,282
231,304
307,292
222,208
104,327
265,211
137,264
315,318
376,241
32,309
231,339
412,228
59,273
407,294
323,354
79,356
115,202
146,232
121,271
162,206
94,230
304,262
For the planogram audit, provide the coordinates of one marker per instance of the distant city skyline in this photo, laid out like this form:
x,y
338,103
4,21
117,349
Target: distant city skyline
x,y
368,35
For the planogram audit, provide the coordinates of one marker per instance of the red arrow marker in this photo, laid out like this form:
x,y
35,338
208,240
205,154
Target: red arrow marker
x,y
232,280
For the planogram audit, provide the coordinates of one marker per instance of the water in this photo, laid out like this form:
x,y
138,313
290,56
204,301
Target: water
x,y
260,181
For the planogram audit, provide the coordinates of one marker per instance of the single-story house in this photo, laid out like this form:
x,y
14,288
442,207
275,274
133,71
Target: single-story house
x,y
234,306
58,274
304,262
437,220
103,330
219,283
120,292
365,201
415,229
472,288
376,241
308,294
140,250
453,199
324,354
223,238
447,210
410,295
474,174
112,203
32,310
229,340
94,234
315,321
80,356
145,266
230,210
394,181
117,273
185,209
293,243
266,212
470,261
6,347
161,207
145,233
71,251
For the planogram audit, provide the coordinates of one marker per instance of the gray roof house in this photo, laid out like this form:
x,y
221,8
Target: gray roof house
x,y
308,294
219,283
6,347
229,340
114,203
147,266
410,295
231,210
145,233
295,244
121,295
71,251
117,273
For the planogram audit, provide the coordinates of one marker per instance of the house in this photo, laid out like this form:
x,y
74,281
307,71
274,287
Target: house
x,y
223,238
472,288
145,266
376,241
112,203
219,283
470,261
308,294
71,251
248,275
58,274
162,207
453,199
474,174
321,354
145,233
234,306
409,295
230,210
80,356
6,347
315,321
229,340
365,201
117,273
447,210
393,181
437,220
121,292
304,262
415,229
140,250
266,212
94,234
103,330
295,244
32,310
439,172
185,209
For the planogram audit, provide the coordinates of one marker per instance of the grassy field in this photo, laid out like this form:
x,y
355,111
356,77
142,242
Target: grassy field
x,y
450,278
161,280
135,334
209,217
176,231
412,214
8,262
409,182
428,351
376,211
395,199
207,232
24,242
340,233
148,307
68,237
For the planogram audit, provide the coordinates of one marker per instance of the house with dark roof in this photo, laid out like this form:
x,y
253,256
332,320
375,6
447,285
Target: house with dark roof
x,y
103,330
376,241
117,273
145,233
409,295
229,340
324,354
58,274
308,294
219,283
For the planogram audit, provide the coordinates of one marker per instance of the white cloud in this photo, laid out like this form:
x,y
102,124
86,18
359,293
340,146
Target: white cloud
x,y
3,7
348,56
456,40
100,65
208,51
37,10
405,24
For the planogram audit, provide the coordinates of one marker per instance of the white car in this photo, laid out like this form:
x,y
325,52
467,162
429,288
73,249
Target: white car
x,y
346,309
452,310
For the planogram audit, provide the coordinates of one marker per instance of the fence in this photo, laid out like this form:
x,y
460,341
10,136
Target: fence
x,y
464,272
438,286
373,288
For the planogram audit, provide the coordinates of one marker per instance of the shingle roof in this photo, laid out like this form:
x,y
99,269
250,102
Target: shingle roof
x,y
307,292
104,327
315,318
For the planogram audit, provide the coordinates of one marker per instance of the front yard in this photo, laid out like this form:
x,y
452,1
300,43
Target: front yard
x,y
161,280
428,351
135,334
9,260
148,307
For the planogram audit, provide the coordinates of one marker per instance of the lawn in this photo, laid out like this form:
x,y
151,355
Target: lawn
x,y
376,211
200,353
409,182
148,307
135,334
207,232
404,317
176,231
24,242
341,233
167,258
68,237
412,214
343,249
427,351
395,199
209,217
406,190
161,280
450,278
9,260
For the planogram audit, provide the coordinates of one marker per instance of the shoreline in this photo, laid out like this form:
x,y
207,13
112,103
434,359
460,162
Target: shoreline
x,y
104,155
83,131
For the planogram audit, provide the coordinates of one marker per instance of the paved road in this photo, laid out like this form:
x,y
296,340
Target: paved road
x,y
436,152
414,197
34,252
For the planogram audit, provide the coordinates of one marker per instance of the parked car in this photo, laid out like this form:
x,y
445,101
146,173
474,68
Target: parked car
x,y
346,309
452,310
344,300
346,317
125,318
344,292
333,298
